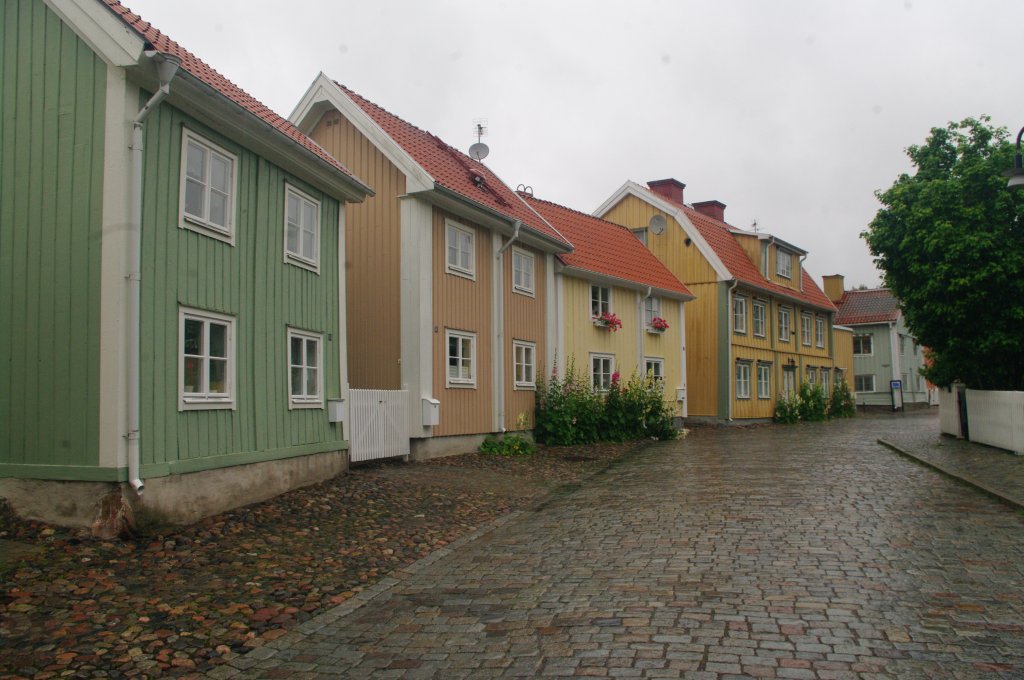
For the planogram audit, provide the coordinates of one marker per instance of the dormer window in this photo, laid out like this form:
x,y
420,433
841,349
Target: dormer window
x,y
783,263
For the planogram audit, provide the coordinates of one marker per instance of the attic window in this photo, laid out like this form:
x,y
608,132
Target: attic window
x,y
783,263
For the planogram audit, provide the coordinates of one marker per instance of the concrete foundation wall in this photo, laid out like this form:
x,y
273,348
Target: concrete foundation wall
x,y
439,447
175,499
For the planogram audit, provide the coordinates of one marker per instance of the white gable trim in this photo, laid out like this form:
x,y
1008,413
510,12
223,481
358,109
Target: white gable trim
x,y
100,29
324,90
631,188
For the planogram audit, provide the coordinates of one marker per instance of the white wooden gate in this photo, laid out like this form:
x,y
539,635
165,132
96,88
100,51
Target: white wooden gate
x,y
378,424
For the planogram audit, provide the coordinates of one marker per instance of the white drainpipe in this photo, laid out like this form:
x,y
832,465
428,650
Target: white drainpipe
x,y
167,68
730,369
640,332
499,321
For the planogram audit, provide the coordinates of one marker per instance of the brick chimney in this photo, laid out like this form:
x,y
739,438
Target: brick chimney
x,y
834,284
713,209
672,189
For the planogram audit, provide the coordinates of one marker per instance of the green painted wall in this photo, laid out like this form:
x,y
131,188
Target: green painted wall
x,y
52,90
249,281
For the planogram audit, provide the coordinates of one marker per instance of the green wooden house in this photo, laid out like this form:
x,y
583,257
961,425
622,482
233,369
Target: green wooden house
x,y
170,299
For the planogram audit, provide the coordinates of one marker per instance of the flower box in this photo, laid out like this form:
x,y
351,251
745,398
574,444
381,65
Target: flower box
x,y
607,321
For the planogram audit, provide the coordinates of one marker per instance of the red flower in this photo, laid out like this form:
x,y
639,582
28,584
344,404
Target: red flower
x,y
659,324
609,321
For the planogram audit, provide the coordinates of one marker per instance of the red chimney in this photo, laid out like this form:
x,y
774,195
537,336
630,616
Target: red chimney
x,y
714,209
669,188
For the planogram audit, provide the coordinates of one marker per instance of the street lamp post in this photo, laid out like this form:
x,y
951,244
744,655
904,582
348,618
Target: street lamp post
x,y
1017,174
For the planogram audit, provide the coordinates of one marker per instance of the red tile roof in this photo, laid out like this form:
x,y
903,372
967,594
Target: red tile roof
x,y
207,75
877,305
721,237
606,248
453,169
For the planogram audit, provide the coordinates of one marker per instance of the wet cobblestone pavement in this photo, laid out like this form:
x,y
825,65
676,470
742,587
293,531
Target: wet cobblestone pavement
x,y
778,552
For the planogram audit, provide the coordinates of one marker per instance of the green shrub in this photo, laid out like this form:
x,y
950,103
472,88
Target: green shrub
x,y
841,403
787,409
509,445
813,403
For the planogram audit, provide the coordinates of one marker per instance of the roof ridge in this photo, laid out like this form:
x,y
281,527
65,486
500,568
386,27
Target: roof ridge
x,y
574,210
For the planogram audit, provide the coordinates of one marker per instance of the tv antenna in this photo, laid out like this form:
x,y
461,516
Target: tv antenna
x,y
478,151
755,226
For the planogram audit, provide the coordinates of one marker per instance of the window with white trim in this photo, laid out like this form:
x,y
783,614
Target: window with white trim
x,y
784,316
461,358
459,245
819,331
600,300
652,308
862,345
783,263
812,375
654,367
805,329
739,314
602,366
789,381
206,360
826,379
522,272
760,313
301,228
764,259
524,364
207,187
743,380
305,369
640,234
864,383
764,381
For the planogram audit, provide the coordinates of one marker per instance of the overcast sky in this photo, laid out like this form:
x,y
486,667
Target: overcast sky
x,y
792,113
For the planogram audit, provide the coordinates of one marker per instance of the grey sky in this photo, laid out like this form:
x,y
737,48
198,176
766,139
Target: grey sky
x,y
791,113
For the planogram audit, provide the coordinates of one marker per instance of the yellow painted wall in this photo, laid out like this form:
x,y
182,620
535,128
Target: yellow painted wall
x,y
702,350
844,351
666,346
583,338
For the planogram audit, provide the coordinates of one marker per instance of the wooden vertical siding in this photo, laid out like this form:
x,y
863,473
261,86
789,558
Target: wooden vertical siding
x,y
583,338
373,255
525,319
464,305
843,352
702,350
51,169
250,282
666,346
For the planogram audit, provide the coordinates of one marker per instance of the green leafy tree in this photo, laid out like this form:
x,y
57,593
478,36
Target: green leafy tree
x,y
950,239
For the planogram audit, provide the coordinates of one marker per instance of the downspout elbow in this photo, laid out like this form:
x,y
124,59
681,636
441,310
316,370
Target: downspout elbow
x,y
515,236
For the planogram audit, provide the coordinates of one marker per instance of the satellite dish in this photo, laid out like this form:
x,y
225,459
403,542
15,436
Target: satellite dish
x,y
478,151
657,225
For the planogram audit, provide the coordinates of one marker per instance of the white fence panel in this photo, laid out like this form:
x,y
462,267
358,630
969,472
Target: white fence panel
x,y
996,418
378,424
949,412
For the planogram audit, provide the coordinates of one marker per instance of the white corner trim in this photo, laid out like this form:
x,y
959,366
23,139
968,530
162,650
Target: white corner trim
x,y
323,89
631,188
97,26
498,355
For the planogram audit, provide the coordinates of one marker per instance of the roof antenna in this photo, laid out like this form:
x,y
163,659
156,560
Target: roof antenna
x,y
754,226
478,151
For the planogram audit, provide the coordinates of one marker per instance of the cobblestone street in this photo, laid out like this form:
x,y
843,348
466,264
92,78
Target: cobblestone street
x,y
779,552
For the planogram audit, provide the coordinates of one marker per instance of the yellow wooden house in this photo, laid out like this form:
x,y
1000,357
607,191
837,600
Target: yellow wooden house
x,y
619,309
759,326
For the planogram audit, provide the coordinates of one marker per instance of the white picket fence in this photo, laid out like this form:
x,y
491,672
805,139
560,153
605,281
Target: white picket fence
x,y
377,426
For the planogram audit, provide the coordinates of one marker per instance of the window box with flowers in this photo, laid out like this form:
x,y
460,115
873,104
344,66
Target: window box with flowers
x,y
657,326
608,321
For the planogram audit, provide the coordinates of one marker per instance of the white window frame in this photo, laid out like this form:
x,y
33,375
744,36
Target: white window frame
x,y
610,358
201,223
602,302
462,336
858,378
641,234
783,263
654,367
742,374
762,322
306,400
785,332
789,381
524,356
764,381
764,259
204,399
524,287
805,329
452,228
871,342
826,379
819,332
739,314
652,308
297,258
812,374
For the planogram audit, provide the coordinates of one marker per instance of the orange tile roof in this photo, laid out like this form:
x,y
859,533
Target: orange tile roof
x,y
720,236
453,169
877,305
207,75
606,248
